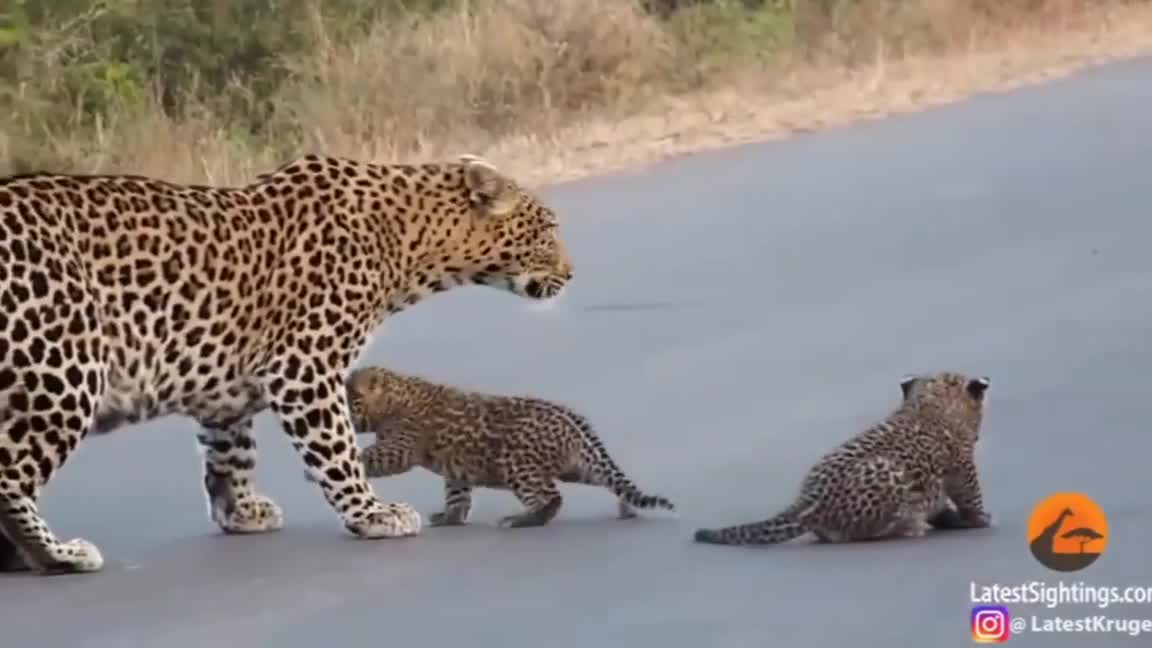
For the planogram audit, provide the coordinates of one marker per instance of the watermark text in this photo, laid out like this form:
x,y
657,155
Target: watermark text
x,y
1052,595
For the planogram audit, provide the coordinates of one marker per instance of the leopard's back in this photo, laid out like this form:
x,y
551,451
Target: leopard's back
x,y
486,439
906,443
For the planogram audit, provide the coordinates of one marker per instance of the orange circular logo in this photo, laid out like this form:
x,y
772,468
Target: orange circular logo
x,y
1067,532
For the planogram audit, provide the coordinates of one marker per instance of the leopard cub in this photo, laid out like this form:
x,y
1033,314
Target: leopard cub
x,y
910,472
517,443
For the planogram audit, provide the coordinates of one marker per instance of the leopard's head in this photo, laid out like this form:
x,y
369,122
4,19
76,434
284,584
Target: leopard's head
x,y
955,397
513,240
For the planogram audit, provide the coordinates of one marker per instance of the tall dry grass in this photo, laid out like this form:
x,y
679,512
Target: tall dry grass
x,y
530,81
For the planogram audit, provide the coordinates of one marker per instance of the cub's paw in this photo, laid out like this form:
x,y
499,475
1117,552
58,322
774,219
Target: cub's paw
x,y
443,518
950,519
916,528
255,514
522,520
981,520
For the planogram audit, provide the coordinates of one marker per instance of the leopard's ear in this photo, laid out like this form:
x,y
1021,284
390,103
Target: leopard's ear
x,y
906,384
978,387
492,193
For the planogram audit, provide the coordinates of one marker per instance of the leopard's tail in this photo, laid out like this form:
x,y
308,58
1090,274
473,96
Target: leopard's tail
x,y
781,528
630,494
600,469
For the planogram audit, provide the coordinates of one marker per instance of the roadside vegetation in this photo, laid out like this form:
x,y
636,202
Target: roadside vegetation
x,y
219,90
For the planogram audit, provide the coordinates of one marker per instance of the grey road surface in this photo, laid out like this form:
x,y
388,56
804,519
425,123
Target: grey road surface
x,y
735,314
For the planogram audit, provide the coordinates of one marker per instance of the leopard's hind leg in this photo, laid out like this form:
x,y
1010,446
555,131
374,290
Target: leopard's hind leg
x,y
45,417
877,500
540,497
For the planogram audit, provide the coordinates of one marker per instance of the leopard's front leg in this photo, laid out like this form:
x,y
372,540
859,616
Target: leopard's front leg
x,y
963,489
457,504
229,467
316,419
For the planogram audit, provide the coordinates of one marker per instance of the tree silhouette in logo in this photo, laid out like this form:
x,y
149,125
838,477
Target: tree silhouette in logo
x,y
1083,534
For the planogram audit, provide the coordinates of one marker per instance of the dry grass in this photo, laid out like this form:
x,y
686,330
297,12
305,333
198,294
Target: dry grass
x,y
807,96
556,89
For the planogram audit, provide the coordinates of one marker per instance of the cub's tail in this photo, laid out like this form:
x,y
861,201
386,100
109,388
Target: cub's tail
x,y
606,472
630,494
603,471
781,528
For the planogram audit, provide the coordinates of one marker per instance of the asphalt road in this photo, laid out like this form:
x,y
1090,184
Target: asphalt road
x,y
735,314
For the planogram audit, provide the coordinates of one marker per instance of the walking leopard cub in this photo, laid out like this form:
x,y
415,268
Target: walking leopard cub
x,y
517,443
908,473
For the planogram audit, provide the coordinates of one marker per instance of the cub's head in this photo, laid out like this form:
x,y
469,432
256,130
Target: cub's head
x,y
513,239
358,388
958,398
372,393
377,395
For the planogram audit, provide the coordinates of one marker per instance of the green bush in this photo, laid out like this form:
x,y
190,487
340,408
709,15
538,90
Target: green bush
x,y
67,63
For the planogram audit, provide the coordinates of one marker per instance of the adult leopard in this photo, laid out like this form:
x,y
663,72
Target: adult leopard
x,y
126,298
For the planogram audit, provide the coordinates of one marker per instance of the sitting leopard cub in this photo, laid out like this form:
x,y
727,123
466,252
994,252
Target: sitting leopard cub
x,y
517,443
912,471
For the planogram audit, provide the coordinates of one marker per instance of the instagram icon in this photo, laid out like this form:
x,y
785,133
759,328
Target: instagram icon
x,y
990,624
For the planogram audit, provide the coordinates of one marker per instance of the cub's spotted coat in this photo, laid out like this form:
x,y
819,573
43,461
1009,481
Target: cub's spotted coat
x,y
912,471
125,298
517,443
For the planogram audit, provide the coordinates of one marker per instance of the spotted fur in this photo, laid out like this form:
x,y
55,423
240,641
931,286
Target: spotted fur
x,y
126,298
910,472
517,443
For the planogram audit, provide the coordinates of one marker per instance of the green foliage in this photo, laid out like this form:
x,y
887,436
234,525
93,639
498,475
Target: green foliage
x,y
718,31
13,25
67,63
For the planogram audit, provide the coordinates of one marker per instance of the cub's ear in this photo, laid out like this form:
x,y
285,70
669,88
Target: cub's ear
x,y
977,387
906,384
492,192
